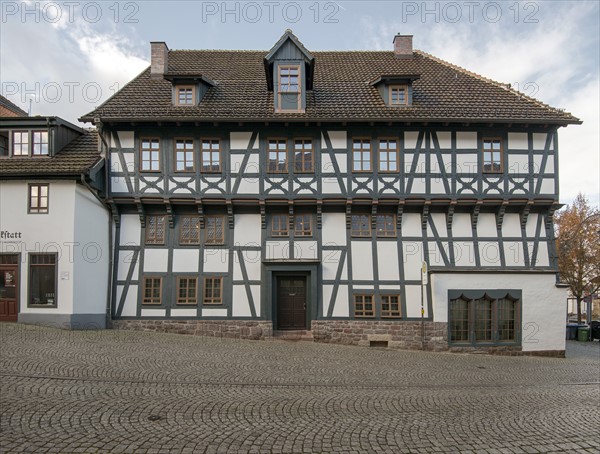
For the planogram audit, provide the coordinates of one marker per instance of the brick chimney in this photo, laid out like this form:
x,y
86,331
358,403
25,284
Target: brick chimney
x,y
403,47
159,58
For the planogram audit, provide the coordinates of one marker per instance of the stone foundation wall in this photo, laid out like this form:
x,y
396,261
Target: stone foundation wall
x,y
397,334
233,329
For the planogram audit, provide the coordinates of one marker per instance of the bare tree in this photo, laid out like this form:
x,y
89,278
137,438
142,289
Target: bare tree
x,y
578,246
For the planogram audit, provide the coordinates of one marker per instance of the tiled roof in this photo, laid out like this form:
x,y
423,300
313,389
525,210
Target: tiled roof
x,y
76,158
4,102
443,92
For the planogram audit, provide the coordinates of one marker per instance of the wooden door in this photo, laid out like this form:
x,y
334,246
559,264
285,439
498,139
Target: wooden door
x,y
291,302
9,293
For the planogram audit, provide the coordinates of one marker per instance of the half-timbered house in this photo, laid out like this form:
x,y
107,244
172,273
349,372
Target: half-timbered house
x,y
361,197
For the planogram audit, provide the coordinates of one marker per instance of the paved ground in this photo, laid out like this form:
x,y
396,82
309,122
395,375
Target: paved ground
x,y
141,392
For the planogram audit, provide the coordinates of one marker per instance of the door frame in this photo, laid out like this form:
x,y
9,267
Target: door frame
x,y
282,276
19,283
269,303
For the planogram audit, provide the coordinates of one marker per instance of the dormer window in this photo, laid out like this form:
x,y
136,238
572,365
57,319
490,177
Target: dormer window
x,y
288,79
40,143
20,143
398,95
185,95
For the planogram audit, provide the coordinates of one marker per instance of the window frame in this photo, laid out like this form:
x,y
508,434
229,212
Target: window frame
x,y
303,152
303,233
388,234
187,300
483,151
183,241
278,152
33,143
154,240
358,233
185,87
280,92
388,161
212,300
149,150
361,150
389,313
12,143
363,313
283,220
145,300
210,140
391,88
38,210
217,241
185,152
30,267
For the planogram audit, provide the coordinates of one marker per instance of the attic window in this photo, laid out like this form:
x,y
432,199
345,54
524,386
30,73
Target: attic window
x,y
185,95
288,79
398,95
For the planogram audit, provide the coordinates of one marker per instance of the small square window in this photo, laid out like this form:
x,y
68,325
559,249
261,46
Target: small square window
x,y
20,143
186,290
363,306
189,230
280,225
185,95
155,230
214,230
213,290
289,79
386,225
360,225
390,306
398,95
303,225
38,198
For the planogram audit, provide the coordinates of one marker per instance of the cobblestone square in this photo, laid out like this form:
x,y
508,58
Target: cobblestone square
x,y
135,392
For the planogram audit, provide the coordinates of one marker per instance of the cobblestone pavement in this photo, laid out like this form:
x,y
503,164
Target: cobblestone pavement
x,y
118,391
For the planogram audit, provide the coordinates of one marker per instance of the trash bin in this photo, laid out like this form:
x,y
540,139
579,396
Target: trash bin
x,y
583,334
572,331
594,330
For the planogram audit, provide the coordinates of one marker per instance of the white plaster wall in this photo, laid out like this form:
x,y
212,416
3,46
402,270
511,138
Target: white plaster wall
x,y
517,141
52,232
255,290
341,307
511,225
333,229
410,139
539,140
249,186
338,139
411,224
531,225
216,260
466,163
236,163
154,312
184,312
277,250
486,225
130,304
489,253
214,312
413,301
444,139
466,140
327,291
513,253
247,230
156,260
387,255
240,306
461,225
124,262
362,260
413,259
305,250
239,140
131,230
90,267
543,305
186,260
464,253
518,163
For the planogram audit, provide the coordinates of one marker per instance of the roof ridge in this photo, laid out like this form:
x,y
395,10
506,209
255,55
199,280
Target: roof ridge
x,y
506,87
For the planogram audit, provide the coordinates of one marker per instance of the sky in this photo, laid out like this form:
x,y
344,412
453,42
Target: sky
x,y
66,58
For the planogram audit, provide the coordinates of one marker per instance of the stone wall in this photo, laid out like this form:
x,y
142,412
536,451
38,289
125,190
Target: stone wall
x,y
233,329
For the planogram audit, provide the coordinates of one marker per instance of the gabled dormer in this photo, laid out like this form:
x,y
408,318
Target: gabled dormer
x,y
289,69
188,88
396,90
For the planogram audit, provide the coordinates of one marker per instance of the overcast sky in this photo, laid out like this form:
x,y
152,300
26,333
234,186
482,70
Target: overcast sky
x,y
65,58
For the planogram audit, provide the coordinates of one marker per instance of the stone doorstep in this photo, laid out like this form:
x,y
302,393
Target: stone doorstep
x,y
293,335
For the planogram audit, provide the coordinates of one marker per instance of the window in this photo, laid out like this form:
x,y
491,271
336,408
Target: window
x,y
361,225
213,290
184,155
20,143
280,225
277,156
155,230
152,290
361,155
186,290
388,155
150,161
215,230
492,155
38,199
398,95
189,230
211,155
289,79
303,156
40,143
484,319
42,279
390,306
185,95
363,306
386,225
303,225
